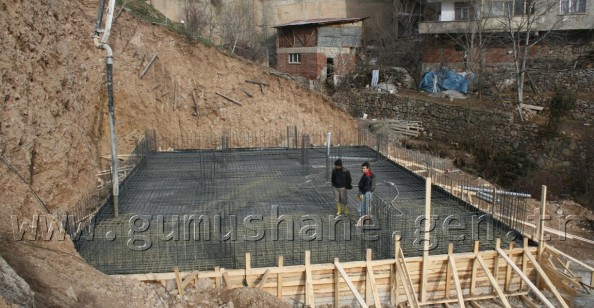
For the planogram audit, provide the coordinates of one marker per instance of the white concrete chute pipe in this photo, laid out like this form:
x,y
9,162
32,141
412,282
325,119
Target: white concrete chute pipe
x,y
99,18
108,21
102,44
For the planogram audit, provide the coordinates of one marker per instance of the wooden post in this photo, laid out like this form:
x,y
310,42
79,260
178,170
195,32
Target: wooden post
x,y
508,272
395,280
524,262
452,265
336,285
248,268
217,278
309,295
370,281
149,65
449,273
541,222
423,286
367,280
475,250
496,260
279,278
178,281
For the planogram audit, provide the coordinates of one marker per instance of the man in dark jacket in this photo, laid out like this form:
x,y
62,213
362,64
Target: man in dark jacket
x,y
341,181
365,190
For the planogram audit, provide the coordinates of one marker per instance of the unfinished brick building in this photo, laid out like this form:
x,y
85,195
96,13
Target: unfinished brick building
x,y
319,49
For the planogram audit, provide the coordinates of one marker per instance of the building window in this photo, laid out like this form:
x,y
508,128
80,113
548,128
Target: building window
x,y
463,11
501,8
294,58
573,7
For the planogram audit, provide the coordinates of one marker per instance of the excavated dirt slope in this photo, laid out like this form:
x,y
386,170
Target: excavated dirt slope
x,y
53,124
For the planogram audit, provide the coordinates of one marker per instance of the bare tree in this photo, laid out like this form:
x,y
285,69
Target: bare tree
x,y
399,44
525,24
238,25
196,19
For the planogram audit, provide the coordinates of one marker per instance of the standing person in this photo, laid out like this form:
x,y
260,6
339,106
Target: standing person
x,y
365,190
341,181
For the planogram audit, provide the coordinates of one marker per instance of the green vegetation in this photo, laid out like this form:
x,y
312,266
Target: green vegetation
x,y
149,14
560,105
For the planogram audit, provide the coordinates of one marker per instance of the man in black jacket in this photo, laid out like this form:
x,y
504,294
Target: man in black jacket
x,y
365,190
341,181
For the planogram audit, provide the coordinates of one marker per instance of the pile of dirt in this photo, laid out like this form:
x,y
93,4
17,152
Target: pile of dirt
x,y
53,124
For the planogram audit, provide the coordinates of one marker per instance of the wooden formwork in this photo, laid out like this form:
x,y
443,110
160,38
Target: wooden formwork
x,y
451,278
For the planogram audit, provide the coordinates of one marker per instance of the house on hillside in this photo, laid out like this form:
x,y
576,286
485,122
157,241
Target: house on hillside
x,y
319,49
450,28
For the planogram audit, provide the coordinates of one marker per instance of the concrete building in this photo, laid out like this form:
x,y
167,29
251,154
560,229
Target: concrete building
x,y
447,21
319,49
268,13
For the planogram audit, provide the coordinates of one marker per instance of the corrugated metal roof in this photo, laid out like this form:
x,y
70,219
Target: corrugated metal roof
x,y
321,21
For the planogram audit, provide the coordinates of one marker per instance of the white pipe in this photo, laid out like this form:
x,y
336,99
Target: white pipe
x,y
108,21
328,140
499,192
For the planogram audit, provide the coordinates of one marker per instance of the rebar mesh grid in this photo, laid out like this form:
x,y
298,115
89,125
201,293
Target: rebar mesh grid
x,y
210,193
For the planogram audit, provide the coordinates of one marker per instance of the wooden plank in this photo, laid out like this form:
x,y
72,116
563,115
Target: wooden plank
x,y
508,272
229,99
403,273
178,281
452,263
448,281
263,280
423,281
526,279
546,280
559,252
493,281
394,275
524,262
257,82
496,263
469,298
336,286
474,304
371,279
475,250
279,277
187,279
350,284
532,107
561,280
227,281
130,39
217,269
149,65
247,93
309,292
528,301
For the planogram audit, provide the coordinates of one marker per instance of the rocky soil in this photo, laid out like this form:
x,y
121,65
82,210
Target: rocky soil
x,y
53,127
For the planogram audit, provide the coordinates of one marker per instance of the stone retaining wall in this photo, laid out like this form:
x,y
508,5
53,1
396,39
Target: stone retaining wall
x,y
501,129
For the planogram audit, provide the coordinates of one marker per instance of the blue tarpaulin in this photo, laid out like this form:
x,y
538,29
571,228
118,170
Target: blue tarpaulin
x,y
444,79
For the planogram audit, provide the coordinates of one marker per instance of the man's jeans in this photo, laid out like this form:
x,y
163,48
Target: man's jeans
x,y
365,204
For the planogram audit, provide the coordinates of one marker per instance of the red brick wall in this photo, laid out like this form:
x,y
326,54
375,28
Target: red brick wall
x,y
433,49
312,64
309,67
